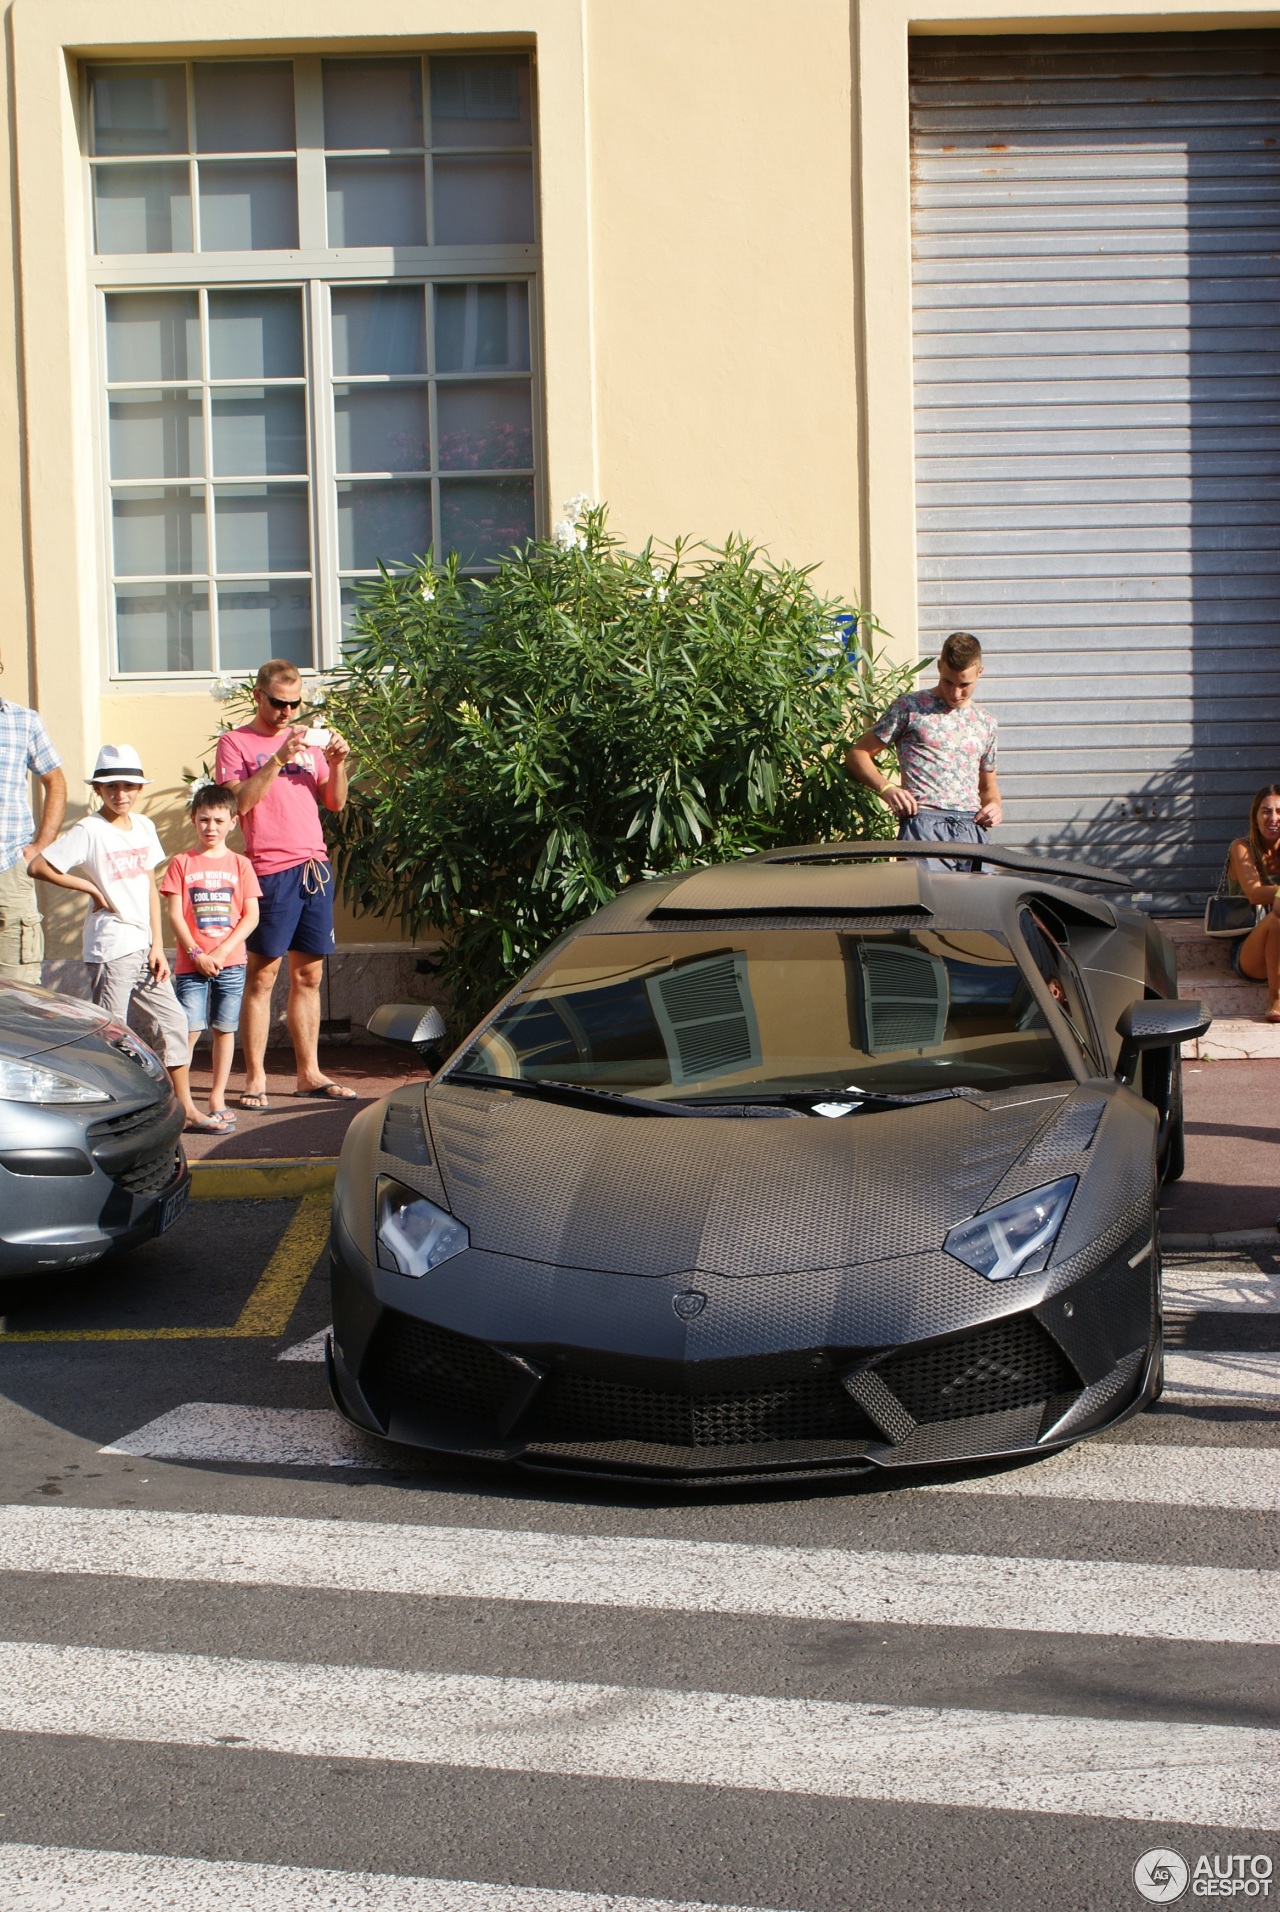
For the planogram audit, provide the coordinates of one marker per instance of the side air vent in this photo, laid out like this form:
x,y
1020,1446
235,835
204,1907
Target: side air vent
x,y
705,1013
903,997
404,1136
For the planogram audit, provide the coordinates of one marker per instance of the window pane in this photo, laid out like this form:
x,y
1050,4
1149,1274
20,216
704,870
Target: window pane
x,y
482,328
139,109
480,102
372,103
255,624
353,602
381,428
262,528
255,335
153,335
391,522
142,208
156,435
158,533
484,427
259,431
379,328
377,202
163,627
248,205
244,106
482,517
484,201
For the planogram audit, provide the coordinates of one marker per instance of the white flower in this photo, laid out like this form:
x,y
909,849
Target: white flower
x,y
318,698
428,590
567,537
225,690
577,507
199,784
660,593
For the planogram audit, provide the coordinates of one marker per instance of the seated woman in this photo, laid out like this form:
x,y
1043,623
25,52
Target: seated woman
x,y
1254,869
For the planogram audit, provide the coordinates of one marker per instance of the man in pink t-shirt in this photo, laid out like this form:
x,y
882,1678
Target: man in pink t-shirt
x,y
280,781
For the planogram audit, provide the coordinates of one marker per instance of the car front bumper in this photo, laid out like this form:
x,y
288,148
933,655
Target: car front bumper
x,y
619,1403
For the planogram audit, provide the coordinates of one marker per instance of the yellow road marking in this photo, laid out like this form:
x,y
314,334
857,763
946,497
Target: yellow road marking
x,y
267,1312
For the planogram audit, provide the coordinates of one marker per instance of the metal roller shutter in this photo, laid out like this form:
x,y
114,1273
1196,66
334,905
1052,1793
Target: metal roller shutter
x,y
1097,339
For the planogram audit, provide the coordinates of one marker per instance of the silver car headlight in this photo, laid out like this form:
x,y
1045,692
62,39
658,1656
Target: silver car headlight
x,y
414,1235
1017,1237
22,1081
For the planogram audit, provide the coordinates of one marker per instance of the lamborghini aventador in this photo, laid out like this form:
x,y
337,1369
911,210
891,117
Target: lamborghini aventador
x,y
817,1162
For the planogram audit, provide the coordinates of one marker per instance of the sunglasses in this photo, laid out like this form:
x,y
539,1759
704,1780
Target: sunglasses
x,y
285,703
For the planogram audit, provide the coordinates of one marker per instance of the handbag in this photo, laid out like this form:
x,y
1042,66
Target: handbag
x,y
1226,915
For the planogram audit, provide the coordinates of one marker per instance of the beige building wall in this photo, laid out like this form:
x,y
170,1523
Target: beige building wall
x,y
726,276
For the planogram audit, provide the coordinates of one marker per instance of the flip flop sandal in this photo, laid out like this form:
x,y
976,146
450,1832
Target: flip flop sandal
x,y
255,1101
327,1092
206,1125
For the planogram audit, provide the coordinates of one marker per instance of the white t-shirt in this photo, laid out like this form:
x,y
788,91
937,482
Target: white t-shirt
x,y
120,862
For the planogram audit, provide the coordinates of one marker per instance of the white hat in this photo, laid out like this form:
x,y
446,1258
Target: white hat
x,y
118,763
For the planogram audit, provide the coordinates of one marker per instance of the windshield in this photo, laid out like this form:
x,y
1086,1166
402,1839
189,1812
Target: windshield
x,y
695,1017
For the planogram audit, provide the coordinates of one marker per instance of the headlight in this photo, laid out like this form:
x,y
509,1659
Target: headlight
x,y
413,1234
135,1048
32,1082
1015,1238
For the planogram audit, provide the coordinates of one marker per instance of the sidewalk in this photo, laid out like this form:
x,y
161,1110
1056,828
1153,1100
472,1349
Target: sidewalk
x,y
298,1128
1232,1181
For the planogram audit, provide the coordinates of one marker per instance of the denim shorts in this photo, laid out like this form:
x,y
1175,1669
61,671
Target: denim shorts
x,y
211,1000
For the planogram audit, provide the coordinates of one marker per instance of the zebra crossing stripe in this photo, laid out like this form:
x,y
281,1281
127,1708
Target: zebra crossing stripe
x,y
797,1583
1162,1770
1166,1474
1226,1380
38,1878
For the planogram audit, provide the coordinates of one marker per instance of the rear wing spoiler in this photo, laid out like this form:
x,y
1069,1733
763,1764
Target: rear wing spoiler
x,y
998,856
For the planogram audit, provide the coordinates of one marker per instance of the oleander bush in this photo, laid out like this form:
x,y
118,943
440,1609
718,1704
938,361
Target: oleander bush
x,y
527,744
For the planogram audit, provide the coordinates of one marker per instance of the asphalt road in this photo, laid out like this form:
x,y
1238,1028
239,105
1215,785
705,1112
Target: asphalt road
x,y
249,1677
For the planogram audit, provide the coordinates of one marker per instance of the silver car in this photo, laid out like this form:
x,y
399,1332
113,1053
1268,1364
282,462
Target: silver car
x,y
90,1156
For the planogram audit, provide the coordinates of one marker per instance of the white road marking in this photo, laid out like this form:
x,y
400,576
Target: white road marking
x,y
1025,1594
1236,1478
40,1878
1013,1762
312,1349
1223,1380
268,1436
1233,1477
1233,1285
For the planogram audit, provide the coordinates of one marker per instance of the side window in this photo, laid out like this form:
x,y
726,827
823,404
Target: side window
x,y
1053,960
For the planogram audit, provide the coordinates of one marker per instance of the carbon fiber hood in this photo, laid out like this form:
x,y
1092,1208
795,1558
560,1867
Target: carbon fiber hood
x,y
578,1189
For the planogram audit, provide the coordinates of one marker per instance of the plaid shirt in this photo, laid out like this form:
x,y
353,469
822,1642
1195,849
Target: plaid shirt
x,y
24,747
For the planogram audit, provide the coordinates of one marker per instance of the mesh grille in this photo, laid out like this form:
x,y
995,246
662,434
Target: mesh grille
x,y
151,1174
423,1368
1007,1364
586,1407
129,1123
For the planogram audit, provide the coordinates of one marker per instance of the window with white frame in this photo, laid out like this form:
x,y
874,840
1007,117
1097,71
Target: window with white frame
x,y
317,283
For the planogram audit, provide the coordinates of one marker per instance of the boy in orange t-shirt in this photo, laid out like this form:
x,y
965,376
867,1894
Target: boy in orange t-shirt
x,y
213,905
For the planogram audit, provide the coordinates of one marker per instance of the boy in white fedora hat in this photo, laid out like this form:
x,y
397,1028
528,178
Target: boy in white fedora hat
x,y
117,853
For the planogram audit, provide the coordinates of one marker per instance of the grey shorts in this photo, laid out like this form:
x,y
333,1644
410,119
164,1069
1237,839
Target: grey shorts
x,y
127,990
942,826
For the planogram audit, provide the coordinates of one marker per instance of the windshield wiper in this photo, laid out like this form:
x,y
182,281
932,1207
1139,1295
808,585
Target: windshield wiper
x,y
801,1100
550,1089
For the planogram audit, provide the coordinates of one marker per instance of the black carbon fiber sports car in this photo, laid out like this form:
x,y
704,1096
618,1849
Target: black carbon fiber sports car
x,y
812,1163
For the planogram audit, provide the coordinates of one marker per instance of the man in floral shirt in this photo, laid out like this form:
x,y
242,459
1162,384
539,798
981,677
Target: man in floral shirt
x,y
946,749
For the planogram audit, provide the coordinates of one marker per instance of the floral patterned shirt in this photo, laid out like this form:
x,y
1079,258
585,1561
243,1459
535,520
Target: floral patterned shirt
x,y
940,750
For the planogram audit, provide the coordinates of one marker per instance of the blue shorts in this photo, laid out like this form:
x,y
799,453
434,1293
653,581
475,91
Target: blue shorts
x,y
295,911
211,1001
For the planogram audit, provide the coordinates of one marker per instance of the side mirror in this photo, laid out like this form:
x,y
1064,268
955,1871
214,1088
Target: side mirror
x,y
419,1025
1162,1024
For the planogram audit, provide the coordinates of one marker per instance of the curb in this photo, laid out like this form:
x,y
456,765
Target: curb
x,y
1236,1238
270,1178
